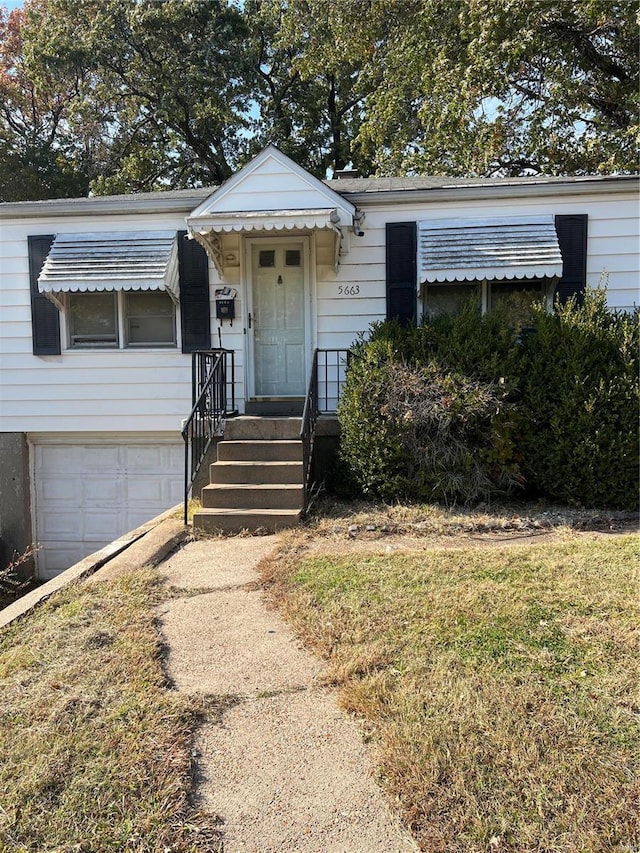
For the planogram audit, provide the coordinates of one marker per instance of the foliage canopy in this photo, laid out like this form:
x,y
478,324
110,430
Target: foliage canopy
x,y
111,96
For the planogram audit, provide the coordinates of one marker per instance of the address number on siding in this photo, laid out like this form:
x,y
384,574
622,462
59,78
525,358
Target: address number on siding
x,y
348,289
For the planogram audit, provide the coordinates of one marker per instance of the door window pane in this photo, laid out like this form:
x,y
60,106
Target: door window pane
x,y
267,258
292,258
93,320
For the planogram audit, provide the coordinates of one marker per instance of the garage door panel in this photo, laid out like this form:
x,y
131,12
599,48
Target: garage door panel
x,y
86,496
57,525
102,491
57,488
57,459
103,526
104,459
142,489
144,459
56,558
176,491
137,519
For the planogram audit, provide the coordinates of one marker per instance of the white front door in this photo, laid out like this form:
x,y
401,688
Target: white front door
x,y
278,318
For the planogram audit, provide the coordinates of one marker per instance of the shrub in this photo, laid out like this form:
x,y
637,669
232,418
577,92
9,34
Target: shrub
x,y
423,417
423,433
579,406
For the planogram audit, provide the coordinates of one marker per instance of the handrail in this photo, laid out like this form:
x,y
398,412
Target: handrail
x,y
308,429
212,374
327,370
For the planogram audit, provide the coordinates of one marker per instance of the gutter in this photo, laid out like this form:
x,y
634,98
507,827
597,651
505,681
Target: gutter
x,y
99,206
590,186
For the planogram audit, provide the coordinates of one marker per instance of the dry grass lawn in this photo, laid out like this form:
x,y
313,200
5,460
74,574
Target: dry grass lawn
x,y
500,686
95,748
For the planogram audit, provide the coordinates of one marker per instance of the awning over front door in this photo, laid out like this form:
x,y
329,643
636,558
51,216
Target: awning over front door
x,y
113,260
273,196
492,249
208,230
268,220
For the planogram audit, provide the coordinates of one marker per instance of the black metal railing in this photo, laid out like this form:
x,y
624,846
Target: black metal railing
x,y
328,372
212,399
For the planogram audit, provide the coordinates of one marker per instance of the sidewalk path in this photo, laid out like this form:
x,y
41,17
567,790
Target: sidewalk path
x,y
284,768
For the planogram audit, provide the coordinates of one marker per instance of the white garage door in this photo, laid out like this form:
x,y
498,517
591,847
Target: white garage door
x,y
87,495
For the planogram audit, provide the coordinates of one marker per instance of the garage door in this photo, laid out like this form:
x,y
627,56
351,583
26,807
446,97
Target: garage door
x,y
87,495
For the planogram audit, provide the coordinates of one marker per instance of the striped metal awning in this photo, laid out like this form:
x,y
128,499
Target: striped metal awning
x,y
209,228
306,219
493,249
113,260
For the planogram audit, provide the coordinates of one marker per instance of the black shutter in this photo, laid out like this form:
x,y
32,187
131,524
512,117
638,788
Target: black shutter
x,y
401,272
572,238
45,317
194,294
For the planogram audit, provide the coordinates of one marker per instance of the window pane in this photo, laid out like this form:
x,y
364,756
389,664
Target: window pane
x,y
149,319
267,258
447,298
517,299
292,257
92,319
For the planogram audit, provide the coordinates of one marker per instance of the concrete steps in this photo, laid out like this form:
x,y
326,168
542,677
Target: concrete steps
x,y
257,480
268,451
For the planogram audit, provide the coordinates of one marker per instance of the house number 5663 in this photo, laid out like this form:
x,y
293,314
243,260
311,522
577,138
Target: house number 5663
x,y
348,289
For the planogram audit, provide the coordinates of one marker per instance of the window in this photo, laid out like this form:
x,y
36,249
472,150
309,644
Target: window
x,y
149,319
124,319
517,296
267,258
447,298
93,320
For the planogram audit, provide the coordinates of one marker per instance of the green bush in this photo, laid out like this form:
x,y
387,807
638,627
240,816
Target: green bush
x,y
423,433
579,405
460,407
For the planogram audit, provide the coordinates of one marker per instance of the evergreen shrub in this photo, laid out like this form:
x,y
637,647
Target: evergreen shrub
x,y
422,433
463,407
580,403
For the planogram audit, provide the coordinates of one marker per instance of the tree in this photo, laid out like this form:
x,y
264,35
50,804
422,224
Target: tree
x,y
310,99
111,96
42,154
173,79
503,87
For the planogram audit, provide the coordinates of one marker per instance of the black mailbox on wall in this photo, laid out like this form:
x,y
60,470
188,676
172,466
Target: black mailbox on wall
x,y
225,303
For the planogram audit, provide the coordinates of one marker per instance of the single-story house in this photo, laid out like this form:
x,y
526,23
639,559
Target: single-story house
x,y
104,300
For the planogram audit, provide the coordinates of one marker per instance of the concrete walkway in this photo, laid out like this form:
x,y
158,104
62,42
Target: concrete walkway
x,y
282,766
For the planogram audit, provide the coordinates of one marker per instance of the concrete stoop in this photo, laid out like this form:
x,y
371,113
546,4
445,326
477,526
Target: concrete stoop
x,y
257,480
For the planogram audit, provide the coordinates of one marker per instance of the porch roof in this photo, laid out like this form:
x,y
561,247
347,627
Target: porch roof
x,y
493,248
210,227
307,219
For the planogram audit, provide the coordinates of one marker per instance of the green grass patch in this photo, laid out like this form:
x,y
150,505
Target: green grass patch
x,y
95,748
500,685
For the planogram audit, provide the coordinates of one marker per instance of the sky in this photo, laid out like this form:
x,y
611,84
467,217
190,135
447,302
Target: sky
x,y
11,4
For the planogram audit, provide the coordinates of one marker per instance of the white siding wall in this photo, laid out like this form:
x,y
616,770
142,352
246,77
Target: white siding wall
x,y
144,390
612,255
81,390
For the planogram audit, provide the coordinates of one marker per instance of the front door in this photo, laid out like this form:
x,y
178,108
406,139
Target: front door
x,y
278,318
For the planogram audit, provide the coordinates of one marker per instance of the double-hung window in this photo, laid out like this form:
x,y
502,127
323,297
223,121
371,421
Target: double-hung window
x,y
117,320
116,289
513,261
